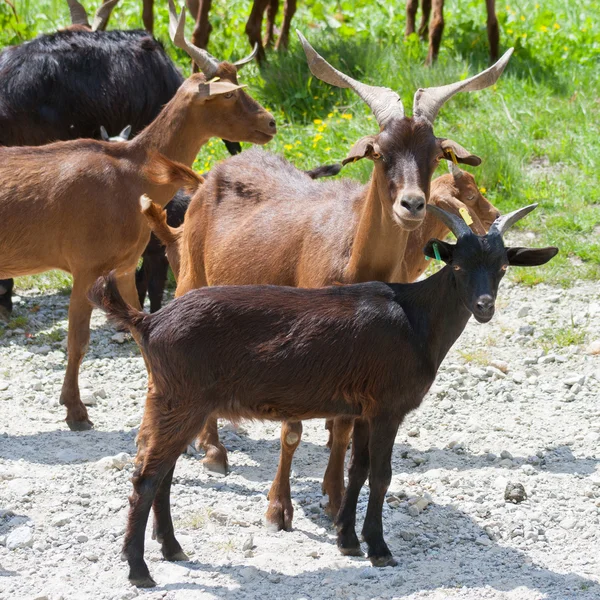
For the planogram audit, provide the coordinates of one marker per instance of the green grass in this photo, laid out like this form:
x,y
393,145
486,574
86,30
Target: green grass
x,y
562,337
537,129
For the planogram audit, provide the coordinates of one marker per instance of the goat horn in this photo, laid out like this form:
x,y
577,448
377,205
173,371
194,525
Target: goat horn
x,y
103,14
428,101
78,14
207,64
456,171
455,224
504,222
247,59
385,103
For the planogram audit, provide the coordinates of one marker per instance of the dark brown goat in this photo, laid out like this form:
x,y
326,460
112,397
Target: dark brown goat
x,y
260,220
369,352
74,205
437,26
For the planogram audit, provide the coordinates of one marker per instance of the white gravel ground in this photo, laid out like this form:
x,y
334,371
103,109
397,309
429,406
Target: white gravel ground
x,y
533,419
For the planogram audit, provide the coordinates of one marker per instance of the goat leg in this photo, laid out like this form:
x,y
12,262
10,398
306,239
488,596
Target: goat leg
x,y
281,512
141,282
345,521
435,34
333,480
381,444
288,12
80,312
254,27
216,454
425,14
158,267
272,10
163,531
411,12
493,30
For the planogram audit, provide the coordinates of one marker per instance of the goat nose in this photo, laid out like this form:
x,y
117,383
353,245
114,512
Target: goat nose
x,y
272,124
485,304
413,204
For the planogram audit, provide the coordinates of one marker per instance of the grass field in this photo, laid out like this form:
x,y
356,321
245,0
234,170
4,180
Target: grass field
x,y
537,130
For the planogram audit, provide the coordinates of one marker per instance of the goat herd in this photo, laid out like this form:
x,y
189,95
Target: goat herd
x,y
254,332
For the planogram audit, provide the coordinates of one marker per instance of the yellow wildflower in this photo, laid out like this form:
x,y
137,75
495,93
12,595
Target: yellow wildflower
x,y
482,190
288,146
543,28
321,127
327,149
317,138
297,142
347,116
522,17
299,154
317,121
315,97
509,31
556,26
537,6
330,115
565,48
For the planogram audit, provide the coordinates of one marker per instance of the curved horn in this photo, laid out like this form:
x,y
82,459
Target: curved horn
x,y
207,64
455,224
125,133
103,14
504,222
247,59
428,101
385,103
78,14
456,171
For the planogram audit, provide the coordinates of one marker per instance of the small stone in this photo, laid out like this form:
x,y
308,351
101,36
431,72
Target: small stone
x,y
61,519
313,554
81,538
500,365
490,457
445,404
506,454
518,377
90,556
523,311
101,393
248,573
568,523
506,463
483,540
248,543
88,399
21,537
546,360
413,432
573,379
367,573
592,348
526,330
119,337
515,492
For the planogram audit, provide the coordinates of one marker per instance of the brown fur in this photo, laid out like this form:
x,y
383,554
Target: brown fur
x,y
74,205
437,26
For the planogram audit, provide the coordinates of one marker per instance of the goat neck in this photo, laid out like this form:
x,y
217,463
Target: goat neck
x,y
379,242
436,313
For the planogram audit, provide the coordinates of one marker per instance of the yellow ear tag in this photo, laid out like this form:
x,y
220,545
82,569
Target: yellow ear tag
x,y
453,156
464,213
214,80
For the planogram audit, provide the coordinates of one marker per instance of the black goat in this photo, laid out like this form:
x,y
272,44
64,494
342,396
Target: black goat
x,y
370,351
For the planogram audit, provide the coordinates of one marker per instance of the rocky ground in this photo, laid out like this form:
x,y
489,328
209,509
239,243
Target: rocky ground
x,y
515,404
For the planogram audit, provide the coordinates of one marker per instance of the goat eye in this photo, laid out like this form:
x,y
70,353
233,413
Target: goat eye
x,y
456,267
229,95
504,268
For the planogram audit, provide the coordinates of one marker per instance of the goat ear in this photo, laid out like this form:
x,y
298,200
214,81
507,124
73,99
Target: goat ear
x,y
462,154
366,147
104,134
445,251
530,257
209,89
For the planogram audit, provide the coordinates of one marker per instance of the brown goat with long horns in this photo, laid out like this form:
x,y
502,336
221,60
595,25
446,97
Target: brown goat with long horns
x,y
260,220
75,205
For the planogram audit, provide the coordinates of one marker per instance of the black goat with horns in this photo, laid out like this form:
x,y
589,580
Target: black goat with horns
x,y
368,350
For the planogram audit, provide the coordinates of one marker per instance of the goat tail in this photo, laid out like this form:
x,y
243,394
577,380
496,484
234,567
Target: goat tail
x,y
157,221
161,170
324,171
104,294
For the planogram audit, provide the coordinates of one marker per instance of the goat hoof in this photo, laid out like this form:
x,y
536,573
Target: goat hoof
x,y
383,561
351,551
279,518
142,582
180,556
214,466
80,425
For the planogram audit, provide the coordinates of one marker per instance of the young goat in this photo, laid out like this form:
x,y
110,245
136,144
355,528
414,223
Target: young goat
x,y
299,232
367,351
437,26
75,205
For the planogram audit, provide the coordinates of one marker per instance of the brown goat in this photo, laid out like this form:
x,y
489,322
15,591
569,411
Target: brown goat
x,y
79,17
75,205
437,26
367,351
260,220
